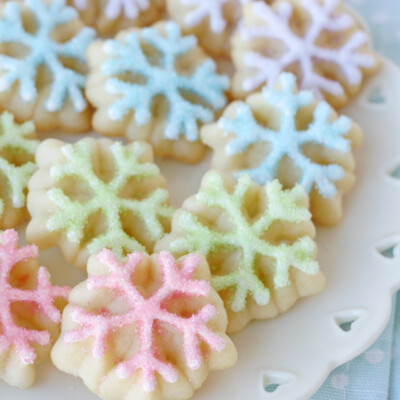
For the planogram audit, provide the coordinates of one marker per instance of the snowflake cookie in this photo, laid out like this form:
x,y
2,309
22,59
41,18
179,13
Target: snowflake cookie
x,y
97,194
317,40
285,134
110,16
212,21
147,328
42,64
17,155
162,97
258,241
29,311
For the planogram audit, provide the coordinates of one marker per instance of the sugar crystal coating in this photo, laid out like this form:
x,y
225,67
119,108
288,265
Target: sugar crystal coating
x,y
288,140
23,339
67,84
349,57
248,238
162,79
147,314
73,215
16,139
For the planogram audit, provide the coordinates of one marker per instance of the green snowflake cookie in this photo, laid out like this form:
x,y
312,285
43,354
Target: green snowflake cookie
x,y
258,241
102,195
17,154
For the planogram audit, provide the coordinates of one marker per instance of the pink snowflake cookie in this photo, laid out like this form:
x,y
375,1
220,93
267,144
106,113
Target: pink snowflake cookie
x,y
29,311
110,16
319,41
149,328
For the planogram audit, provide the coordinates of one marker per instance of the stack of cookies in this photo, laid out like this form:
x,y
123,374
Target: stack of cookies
x,y
260,83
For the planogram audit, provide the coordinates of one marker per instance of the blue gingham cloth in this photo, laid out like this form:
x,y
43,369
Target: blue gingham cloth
x,y
375,374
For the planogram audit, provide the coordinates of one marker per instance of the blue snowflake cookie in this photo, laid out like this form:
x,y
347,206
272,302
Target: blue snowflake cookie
x,y
42,64
111,16
155,84
285,134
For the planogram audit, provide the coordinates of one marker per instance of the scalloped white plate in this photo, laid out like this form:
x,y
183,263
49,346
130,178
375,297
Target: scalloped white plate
x,y
293,354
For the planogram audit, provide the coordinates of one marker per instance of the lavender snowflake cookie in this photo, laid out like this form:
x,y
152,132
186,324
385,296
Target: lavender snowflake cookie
x,y
164,96
110,16
319,41
42,64
285,134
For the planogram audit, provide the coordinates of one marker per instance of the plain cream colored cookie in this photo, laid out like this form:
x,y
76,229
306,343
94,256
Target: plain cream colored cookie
x,y
146,328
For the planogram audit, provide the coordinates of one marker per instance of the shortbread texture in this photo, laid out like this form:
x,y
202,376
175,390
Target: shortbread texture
x,y
258,241
17,155
97,194
42,64
30,308
111,16
144,328
289,135
163,97
319,41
